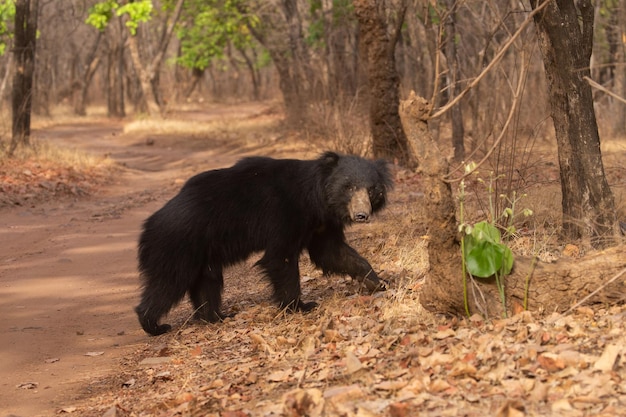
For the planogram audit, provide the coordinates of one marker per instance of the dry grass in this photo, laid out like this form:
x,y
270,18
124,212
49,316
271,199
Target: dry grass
x,y
49,154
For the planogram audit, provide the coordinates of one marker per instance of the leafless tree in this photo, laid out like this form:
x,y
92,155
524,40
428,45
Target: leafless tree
x,y
565,33
389,139
24,45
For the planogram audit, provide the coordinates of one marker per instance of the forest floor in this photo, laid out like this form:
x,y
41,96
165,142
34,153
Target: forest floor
x,y
70,342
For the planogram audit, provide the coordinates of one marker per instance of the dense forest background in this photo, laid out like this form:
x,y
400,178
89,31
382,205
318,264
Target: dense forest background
x,y
310,53
495,74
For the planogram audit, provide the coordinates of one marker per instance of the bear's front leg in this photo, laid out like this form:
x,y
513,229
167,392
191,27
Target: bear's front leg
x,y
284,274
332,254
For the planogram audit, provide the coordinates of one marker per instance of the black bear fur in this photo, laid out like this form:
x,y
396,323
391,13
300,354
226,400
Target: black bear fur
x,y
279,206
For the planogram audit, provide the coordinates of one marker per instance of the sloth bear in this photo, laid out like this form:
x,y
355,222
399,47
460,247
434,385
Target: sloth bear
x,y
281,207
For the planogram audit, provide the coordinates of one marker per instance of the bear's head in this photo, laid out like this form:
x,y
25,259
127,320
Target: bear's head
x,y
355,188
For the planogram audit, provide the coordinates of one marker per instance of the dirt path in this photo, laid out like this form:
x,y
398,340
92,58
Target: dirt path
x,y
68,278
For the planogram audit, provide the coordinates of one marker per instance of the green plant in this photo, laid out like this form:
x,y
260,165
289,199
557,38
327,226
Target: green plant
x,y
483,251
485,255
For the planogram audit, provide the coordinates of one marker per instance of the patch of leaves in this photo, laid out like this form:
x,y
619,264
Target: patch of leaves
x,y
346,359
27,182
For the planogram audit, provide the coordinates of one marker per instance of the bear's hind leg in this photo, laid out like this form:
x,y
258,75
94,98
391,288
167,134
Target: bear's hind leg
x,y
206,294
284,274
155,303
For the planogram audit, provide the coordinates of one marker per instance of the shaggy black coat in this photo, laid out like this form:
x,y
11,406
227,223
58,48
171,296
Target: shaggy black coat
x,y
281,207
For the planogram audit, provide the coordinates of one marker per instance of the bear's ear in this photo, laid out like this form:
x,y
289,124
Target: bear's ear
x,y
382,167
329,159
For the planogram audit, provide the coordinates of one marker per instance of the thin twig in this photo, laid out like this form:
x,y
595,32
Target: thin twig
x,y
601,88
597,290
493,62
512,110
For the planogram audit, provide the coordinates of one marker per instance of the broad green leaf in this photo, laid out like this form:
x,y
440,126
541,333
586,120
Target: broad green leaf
x,y
484,260
484,231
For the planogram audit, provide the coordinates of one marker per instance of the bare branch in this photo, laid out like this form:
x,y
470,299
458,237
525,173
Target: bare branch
x,y
493,62
604,90
516,98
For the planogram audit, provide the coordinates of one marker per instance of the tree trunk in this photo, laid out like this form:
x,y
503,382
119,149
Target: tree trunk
x,y
619,108
148,101
566,40
25,38
148,74
289,80
5,78
254,75
551,286
91,65
389,139
115,82
453,76
437,214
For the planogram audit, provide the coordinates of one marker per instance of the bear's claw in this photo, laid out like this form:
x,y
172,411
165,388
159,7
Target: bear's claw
x,y
375,284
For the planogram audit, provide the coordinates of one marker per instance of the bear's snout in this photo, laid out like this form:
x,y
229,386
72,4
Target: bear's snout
x,y
360,207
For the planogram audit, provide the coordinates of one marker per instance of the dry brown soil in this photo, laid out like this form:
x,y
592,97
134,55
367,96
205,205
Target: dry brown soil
x,y
68,280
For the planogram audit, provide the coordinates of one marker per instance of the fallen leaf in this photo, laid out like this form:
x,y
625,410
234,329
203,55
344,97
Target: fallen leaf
x,y
392,385
511,409
279,376
561,405
399,409
353,364
155,361
571,251
444,334
551,362
608,359
343,393
303,403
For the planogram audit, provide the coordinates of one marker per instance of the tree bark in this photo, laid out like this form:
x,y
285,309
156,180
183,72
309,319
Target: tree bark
x,y
551,286
389,139
443,286
566,40
619,108
453,76
25,38
291,82
115,76
91,65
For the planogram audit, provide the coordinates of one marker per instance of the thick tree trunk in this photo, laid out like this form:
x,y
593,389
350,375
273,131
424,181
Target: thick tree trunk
x,y
25,38
551,286
442,290
566,40
389,139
